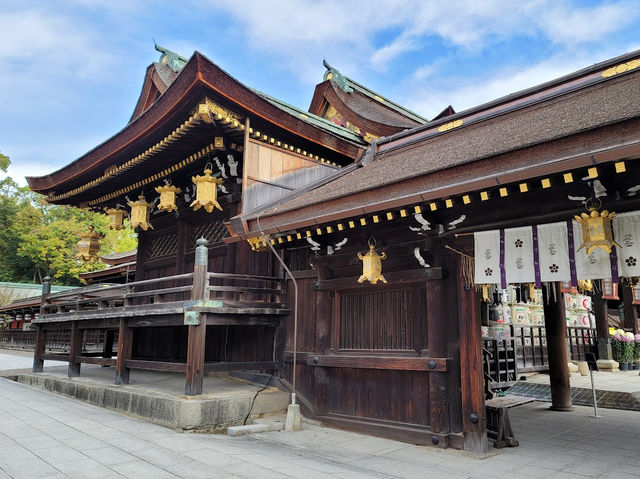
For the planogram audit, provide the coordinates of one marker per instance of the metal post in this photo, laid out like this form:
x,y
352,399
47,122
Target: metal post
x,y
593,390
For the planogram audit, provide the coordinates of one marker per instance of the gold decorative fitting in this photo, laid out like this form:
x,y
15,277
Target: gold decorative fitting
x,y
140,211
206,191
623,67
450,125
372,264
116,218
596,230
89,245
218,142
168,197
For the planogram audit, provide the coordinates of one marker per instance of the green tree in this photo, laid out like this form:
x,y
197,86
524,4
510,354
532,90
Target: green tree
x,y
38,239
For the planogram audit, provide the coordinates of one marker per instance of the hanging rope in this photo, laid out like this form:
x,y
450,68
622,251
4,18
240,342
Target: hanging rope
x,y
467,265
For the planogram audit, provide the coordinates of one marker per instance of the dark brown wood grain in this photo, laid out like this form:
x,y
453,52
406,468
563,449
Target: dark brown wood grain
x,y
555,323
39,349
75,348
125,346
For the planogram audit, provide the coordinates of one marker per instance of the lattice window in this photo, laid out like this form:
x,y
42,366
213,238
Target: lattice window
x,y
213,232
163,245
380,320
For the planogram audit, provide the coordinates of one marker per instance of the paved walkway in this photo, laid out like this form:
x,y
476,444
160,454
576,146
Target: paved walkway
x,y
43,435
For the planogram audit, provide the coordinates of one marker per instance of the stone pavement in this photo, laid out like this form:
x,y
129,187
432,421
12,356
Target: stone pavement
x,y
43,435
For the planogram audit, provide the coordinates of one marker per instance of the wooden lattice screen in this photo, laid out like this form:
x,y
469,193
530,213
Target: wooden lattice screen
x,y
380,320
214,232
163,245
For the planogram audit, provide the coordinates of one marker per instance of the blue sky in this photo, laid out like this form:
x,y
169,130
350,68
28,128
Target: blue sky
x,y
72,70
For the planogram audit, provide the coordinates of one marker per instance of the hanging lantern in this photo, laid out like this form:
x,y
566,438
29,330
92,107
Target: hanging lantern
x,y
206,191
168,194
116,218
89,245
372,264
636,293
596,230
140,211
609,289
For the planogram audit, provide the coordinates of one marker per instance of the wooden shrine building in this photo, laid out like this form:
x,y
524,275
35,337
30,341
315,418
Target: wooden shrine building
x,y
373,209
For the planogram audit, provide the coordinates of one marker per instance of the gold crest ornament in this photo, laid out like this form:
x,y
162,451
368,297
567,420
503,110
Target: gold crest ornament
x,y
372,264
168,194
89,245
206,191
140,211
116,218
596,230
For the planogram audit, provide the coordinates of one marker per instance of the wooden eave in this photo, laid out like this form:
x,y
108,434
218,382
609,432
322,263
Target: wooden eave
x,y
152,87
198,78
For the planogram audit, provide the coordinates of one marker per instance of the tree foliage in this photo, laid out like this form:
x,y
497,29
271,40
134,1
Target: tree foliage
x,y
38,239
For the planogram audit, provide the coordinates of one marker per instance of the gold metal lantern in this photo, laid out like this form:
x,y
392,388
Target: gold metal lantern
x,y
140,211
596,230
206,191
116,218
89,245
372,264
168,194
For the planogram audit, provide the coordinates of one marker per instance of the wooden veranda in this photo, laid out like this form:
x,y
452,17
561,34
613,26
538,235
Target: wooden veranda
x,y
191,301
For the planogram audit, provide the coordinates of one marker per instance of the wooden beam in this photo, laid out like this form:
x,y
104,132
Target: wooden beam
x,y
155,365
94,360
601,312
394,277
241,366
380,362
555,323
75,348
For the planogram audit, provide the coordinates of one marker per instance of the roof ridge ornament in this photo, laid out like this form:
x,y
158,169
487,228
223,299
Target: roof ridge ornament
x,y
337,77
172,59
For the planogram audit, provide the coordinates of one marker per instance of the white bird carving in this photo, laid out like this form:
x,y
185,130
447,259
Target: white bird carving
x,y
416,253
599,189
339,245
454,223
233,165
221,166
420,219
577,198
315,246
223,189
633,190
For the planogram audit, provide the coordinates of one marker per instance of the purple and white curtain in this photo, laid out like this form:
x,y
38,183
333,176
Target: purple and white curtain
x,y
549,252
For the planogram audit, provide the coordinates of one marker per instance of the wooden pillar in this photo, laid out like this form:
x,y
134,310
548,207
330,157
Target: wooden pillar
x,y
600,310
630,314
39,349
75,349
107,347
556,326
125,347
197,334
324,302
437,348
474,422
41,334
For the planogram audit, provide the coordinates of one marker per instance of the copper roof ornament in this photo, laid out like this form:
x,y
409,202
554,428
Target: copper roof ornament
x,y
89,245
168,194
596,228
140,211
372,264
206,190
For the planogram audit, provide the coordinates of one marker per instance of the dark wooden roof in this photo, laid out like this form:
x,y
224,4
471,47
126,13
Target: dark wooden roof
x,y
481,147
361,106
198,79
156,80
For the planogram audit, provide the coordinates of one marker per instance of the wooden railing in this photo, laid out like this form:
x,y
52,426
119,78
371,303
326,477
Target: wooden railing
x,y
581,341
245,288
166,290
